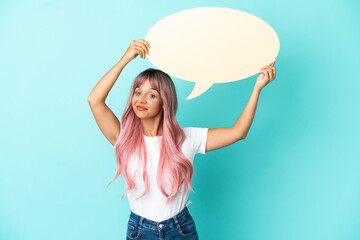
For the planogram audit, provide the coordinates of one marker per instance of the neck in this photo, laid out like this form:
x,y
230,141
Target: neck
x,y
152,127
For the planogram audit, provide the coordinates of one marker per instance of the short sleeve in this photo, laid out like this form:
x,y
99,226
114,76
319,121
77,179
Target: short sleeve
x,y
198,138
117,138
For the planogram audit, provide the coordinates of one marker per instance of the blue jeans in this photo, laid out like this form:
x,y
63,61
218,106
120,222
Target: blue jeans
x,y
181,226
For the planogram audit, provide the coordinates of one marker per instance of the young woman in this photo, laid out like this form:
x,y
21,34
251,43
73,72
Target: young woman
x,y
154,154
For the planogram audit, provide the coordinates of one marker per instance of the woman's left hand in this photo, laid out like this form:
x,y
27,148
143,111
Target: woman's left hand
x,y
267,74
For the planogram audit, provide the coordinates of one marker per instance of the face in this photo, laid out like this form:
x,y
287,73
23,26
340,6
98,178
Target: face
x,y
149,98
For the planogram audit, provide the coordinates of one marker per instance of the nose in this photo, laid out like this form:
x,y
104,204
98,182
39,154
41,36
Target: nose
x,y
142,98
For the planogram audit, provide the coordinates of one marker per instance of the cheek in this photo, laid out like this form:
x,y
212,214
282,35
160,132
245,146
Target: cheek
x,y
159,107
154,106
134,100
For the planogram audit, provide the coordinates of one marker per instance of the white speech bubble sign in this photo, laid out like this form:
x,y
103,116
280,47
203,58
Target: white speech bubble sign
x,y
210,45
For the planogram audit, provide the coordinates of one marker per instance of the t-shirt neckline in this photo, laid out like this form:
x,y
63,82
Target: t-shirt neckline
x,y
154,137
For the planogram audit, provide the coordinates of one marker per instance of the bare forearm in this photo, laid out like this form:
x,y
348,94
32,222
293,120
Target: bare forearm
x,y
103,87
243,123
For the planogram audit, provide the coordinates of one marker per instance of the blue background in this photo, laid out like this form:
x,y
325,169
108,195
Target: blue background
x,y
295,176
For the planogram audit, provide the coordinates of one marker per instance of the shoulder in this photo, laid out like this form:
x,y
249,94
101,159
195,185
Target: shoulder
x,y
186,130
194,130
197,138
195,133
189,131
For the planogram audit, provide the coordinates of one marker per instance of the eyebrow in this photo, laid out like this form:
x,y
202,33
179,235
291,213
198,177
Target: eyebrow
x,y
149,88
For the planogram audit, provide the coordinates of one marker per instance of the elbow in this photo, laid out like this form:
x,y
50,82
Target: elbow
x,y
89,102
92,100
242,137
239,136
89,99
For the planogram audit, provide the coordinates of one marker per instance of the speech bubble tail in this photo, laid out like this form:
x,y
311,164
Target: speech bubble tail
x,y
200,87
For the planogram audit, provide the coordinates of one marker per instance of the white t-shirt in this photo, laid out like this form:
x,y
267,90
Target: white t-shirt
x,y
152,205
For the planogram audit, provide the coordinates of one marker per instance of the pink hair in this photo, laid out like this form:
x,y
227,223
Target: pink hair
x,y
175,165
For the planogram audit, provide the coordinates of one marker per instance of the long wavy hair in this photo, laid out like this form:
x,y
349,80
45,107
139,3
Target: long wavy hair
x,y
173,164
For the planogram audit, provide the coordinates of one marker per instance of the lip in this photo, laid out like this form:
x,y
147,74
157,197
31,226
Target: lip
x,y
140,108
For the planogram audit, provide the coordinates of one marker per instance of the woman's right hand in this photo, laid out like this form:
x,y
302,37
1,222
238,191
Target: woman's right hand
x,y
135,48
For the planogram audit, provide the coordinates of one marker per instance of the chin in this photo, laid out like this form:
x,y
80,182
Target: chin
x,y
141,115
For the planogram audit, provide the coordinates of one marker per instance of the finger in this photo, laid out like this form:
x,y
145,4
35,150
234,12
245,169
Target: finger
x,y
268,67
138,50
273,63
271,74
147,49
263,72
144,47
267,75
141,46
146,43
274,72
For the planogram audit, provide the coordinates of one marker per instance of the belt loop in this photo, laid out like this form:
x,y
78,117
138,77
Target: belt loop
x,y
141,222
176,222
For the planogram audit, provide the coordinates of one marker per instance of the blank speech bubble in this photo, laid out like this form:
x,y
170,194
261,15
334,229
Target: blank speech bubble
x,y
211,45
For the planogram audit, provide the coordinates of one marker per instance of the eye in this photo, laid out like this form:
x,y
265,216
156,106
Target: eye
x,y
151,95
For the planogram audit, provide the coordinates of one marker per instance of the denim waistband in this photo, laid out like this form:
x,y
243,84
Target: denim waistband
x,y
145,222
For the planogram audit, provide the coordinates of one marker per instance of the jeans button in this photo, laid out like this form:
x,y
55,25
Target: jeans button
x,y
161,225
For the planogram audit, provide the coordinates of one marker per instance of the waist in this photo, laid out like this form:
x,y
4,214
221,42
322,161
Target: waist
x,y
145,222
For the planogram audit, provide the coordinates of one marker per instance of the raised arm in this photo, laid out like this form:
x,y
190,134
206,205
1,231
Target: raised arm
x,y
105,118
222,137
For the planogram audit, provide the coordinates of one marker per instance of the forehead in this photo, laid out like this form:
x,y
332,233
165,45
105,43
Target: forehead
x,y
145,85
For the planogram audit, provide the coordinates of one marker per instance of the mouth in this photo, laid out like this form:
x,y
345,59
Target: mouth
x,y
141,108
